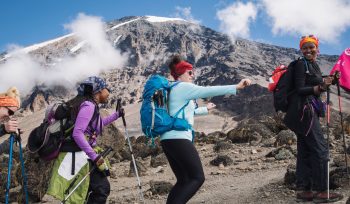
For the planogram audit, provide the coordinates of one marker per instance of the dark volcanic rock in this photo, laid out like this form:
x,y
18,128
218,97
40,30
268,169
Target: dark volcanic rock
x,y
253,101
285,137
158,160
249,131
141,168
221,159
38,174
290,176
338,178
282,153
222,146
160,187
211,138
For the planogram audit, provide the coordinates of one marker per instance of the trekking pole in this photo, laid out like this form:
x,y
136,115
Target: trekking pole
x,y
24,176
328,158
103,154
342,125
132,154
9,169
16,138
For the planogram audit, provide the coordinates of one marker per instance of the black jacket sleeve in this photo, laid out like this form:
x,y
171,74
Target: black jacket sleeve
x,y
299,77
2,130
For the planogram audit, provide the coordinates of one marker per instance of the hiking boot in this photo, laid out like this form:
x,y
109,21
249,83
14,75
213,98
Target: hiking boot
x,y
305,196
321,197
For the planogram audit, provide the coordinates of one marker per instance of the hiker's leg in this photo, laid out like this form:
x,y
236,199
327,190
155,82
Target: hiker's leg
x,y
319,156
188,168
180,174
303,168
319,166
99,188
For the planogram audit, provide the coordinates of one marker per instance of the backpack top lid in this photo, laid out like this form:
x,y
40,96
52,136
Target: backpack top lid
x,y
154,83
276,75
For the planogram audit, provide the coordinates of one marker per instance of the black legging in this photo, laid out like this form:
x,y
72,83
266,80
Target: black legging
x,y
187,167
99,188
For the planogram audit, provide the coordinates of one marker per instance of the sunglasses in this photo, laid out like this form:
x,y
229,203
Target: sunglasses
x,y
310,36
191,73
10,112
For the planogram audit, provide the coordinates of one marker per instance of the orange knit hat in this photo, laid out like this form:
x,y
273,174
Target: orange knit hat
x,y
310,38
10,98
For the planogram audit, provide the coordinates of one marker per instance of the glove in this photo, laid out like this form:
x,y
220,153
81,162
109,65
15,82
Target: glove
x,y
101,164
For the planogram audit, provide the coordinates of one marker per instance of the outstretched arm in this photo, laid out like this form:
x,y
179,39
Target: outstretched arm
x,y
191,91
109,119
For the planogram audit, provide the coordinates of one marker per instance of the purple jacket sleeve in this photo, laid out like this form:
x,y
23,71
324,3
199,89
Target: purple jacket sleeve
x,y
109,119
84,116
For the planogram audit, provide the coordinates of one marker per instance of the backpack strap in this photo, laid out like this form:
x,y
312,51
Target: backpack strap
x,y
73,164
182,109
153,114
306,65
174,84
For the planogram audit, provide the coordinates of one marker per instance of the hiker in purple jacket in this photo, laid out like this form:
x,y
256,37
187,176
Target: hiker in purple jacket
x,y
99,188
82,146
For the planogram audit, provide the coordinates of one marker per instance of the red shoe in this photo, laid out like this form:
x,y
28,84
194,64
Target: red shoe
x,y
321,197
305,196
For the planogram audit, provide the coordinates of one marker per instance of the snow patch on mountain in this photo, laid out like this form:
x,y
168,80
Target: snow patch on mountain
x,y
157,19
78,46
121,24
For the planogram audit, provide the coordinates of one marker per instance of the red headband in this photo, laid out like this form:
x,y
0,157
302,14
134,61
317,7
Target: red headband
x,y
180,69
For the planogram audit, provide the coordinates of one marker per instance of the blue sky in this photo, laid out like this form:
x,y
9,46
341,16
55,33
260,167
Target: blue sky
x,y
275,22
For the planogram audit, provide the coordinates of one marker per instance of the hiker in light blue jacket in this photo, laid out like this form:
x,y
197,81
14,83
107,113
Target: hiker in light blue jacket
x,y
178,145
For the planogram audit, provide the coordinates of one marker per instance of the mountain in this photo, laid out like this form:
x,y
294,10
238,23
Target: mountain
x,y
150,41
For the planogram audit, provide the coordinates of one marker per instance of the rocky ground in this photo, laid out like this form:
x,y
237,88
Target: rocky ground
x,y
251,163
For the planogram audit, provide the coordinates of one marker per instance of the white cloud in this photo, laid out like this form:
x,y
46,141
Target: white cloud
x,y
236,18
20,70
327,19
186,14
97,55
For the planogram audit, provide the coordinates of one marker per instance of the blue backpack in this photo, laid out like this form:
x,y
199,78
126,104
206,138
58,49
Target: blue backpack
x,y
155,118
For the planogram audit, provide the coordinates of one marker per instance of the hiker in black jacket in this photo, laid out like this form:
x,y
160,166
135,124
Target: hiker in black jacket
x,y
304,110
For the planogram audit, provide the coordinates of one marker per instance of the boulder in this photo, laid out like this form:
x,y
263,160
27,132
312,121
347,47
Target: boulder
x,y
221,159
290,176
37,171
250,131
111,137
338,178
282,153
158,160
274,122
222,146
160,187
141,168
142,147
211,138
285,137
